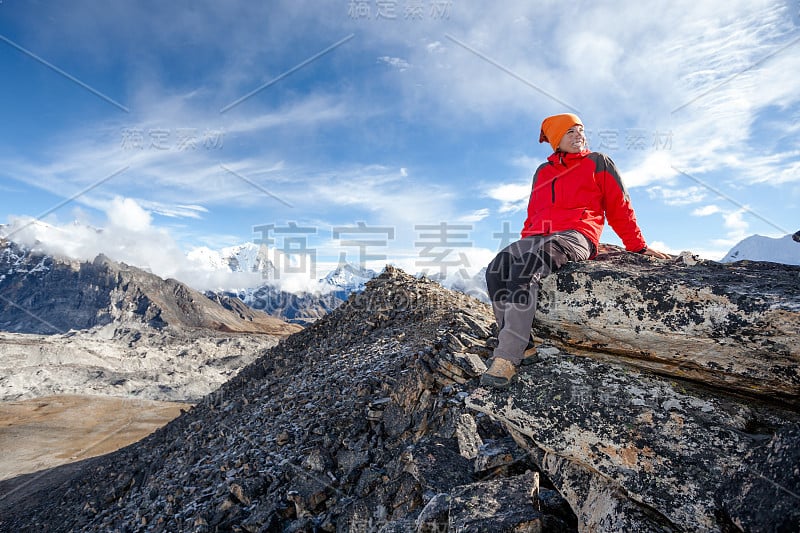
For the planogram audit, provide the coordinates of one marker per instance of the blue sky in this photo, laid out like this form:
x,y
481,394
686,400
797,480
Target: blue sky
x,y
176,125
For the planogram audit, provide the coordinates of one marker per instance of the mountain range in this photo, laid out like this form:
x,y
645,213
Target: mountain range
x,y
44,294
300,306
261,287
102,327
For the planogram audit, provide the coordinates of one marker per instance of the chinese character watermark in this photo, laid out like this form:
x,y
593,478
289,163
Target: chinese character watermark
x,y
506,236
580,395
293,256
608,140
662,140
165,139
636,139
438,245
359,237
399,9
288,248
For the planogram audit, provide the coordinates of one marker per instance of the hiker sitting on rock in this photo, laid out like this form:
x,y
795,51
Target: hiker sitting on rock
x,y
572,195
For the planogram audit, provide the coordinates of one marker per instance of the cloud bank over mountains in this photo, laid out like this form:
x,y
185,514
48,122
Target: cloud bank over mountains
x,y
129,236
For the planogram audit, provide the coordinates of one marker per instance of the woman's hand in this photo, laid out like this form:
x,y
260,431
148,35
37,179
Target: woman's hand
x,y
657,254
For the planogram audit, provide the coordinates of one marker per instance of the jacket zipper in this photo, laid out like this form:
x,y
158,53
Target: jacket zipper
x,y
553,189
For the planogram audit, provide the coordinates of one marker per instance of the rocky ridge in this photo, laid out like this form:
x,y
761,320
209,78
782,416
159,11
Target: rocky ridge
x,y
372,420
345,426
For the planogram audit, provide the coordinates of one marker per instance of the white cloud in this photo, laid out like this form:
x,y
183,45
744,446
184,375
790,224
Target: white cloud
x,y
736,71
591,47
475,216
714,254
395,62
527,162
656,167
180,182
706,211
678,197
663,247
513,197
736,224
462,261
126,215
434,46
387,195
789,173
175,211
128,236
308,112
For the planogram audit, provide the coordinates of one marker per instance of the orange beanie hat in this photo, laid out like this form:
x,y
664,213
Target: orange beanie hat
x,y
554,128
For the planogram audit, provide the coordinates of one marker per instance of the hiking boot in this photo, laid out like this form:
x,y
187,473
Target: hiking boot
x,y
499,374
529,356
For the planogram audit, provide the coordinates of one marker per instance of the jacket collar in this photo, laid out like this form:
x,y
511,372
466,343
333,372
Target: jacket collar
x,y
563,158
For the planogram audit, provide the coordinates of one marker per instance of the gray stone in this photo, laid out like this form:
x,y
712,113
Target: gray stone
x,y
733,326
763,492
495,454
469,441
498,505
616,445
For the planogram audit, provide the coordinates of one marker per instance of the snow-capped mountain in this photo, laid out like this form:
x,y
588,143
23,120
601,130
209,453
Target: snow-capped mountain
x,y
249,257
300,305
306,306
348,278
474,286
246,257
759,248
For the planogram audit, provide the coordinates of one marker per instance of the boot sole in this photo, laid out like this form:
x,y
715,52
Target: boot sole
x,y
528,358
495,382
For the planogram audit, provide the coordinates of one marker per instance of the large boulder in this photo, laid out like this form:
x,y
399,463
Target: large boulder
x,y
732,326
667,394
633,452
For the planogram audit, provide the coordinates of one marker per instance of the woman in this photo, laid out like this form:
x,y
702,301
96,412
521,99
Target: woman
x,y
574,192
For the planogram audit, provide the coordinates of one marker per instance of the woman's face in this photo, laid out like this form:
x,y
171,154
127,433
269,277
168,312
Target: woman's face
x,y
574,141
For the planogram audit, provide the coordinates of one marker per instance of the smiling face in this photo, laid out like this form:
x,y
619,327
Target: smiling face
x,y
573,141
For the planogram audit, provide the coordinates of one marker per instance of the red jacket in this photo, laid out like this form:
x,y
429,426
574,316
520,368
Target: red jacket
x,y
578,192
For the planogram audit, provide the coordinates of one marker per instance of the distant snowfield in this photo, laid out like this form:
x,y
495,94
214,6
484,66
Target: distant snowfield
x,y
136,364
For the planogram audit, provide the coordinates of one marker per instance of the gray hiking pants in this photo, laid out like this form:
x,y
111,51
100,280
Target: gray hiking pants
x,y
514,279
